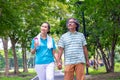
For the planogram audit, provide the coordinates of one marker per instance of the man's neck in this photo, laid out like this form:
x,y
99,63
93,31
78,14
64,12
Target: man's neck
x,y
72,31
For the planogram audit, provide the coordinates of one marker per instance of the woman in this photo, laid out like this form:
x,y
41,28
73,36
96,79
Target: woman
x,y
44,47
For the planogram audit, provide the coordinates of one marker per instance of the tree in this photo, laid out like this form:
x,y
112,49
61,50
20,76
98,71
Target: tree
x,y
5,43
103,24
24,20
102,27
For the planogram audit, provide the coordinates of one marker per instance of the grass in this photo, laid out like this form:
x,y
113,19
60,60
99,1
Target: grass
x,y
103,70
115,78
31,74
12,78
21,76
101,74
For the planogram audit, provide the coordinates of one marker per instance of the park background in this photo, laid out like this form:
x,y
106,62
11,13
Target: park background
x,y
20,21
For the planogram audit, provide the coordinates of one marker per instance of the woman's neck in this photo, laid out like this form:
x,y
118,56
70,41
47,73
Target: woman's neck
x,y
44,36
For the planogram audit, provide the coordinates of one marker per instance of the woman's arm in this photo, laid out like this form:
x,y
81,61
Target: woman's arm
x,y
33,51
55,55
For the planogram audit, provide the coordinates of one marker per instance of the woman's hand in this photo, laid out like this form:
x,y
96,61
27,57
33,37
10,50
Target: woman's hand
x,y
36,42
59,64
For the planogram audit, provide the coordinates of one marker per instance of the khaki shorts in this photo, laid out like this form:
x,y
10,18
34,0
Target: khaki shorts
x,y
77,68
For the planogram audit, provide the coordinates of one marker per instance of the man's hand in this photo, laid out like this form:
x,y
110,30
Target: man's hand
x,y
87,63
59,65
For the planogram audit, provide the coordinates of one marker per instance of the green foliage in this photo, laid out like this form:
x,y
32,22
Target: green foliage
x,y
101,21
21,20
2,53
117,57
2,62
25,17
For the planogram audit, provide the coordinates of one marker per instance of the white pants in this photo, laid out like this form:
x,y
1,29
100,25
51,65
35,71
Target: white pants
x,y
45,71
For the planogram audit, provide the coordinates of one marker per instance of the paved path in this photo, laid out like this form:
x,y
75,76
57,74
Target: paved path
x,y
59,75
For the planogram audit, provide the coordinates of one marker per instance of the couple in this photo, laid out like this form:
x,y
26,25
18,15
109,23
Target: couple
x,y
73,44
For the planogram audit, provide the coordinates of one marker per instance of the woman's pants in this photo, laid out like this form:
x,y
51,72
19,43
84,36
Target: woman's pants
x,y
45,71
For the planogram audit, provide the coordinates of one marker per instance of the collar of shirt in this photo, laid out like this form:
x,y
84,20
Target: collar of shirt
x,y
70,33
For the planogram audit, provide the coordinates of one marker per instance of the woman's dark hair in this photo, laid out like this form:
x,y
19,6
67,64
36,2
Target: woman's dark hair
x,y
75,21
48,27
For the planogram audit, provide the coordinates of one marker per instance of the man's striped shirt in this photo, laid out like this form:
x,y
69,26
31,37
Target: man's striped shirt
x,y
73,47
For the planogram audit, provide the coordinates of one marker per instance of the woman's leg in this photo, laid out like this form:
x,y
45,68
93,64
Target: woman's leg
x,y
50,71
41,71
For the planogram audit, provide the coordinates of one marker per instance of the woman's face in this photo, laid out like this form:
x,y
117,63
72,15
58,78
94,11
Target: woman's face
x,y
44,28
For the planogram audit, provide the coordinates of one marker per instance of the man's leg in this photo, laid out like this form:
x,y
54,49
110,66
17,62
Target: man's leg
x,y
69,72
79,70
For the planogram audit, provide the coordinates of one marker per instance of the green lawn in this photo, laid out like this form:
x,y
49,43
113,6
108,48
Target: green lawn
x,y
102,69
21,76
102,75
31,74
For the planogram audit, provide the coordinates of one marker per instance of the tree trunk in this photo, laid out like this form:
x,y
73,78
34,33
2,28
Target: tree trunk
x,y
115,19
98,53
114,41
16,71
25,69
5,45
105,59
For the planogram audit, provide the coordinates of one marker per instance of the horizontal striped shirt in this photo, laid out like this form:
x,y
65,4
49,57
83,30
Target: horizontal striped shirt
x,y
73,47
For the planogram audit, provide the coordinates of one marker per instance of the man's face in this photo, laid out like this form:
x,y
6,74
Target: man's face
x,y
72,25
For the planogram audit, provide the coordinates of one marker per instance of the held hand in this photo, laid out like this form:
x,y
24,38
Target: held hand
x,y
59,65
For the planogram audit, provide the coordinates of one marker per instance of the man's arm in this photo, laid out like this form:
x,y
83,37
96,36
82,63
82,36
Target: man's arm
x,y
86,56
60,51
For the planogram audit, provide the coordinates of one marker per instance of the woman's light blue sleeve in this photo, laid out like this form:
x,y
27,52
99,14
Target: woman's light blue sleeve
x,y
32,44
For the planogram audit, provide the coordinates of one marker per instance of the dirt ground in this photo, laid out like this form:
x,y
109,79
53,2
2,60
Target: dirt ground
x,y
105,76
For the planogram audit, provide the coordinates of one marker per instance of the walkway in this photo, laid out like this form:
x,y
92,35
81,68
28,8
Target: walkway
x,y
58,75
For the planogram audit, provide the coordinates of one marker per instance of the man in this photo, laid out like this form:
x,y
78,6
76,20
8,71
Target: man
x,y
73,44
